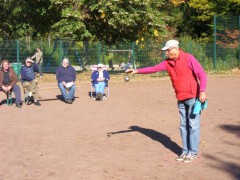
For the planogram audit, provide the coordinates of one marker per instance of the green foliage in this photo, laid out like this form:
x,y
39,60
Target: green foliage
x,y
108,20
27,18
115,20
198,16
111,20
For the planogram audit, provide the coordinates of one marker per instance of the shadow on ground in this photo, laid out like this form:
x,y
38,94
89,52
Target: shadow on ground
x,y
234,129
154,135
232,168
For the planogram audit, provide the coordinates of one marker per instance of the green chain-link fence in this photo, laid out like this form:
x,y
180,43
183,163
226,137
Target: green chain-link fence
x,y
84,54
226,41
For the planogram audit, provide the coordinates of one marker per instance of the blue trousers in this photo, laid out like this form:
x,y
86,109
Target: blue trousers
x,y
189,126
17,93
67,95
99,87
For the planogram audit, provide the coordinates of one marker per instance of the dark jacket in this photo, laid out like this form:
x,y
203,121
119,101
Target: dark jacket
x,y
67,74
28,72
95,76
12,75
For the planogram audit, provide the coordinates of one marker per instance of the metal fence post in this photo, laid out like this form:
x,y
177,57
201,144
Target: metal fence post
x,y
163,52
61,52
215,43
99,52
190,47
18,58
133,55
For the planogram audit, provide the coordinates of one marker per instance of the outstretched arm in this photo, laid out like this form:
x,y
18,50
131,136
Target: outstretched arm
x,y
133,71
148,70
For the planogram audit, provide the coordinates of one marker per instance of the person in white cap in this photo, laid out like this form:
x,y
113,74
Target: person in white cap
x,y
189,82
28,78
100,79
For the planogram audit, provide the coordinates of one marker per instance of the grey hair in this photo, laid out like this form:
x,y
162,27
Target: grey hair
x,y
66,59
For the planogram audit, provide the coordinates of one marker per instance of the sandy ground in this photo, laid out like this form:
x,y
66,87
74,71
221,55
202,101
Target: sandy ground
x,y
133,135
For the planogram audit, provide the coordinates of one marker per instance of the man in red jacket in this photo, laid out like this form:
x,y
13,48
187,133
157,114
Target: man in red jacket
x,y
184,71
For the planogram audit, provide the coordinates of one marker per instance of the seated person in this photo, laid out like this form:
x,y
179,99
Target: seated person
x,y
100,79
29,82
66,77
8,80
122,65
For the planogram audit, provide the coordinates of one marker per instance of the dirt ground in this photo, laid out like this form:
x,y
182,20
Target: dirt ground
x,y
134,135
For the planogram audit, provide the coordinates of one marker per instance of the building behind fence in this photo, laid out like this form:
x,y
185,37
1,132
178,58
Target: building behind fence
x,y
221,54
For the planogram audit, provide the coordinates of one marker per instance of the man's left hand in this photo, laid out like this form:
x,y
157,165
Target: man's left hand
x,y
202,97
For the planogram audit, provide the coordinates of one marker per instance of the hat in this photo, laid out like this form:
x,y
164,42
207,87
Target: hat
x,y
100,66
29,60
170,44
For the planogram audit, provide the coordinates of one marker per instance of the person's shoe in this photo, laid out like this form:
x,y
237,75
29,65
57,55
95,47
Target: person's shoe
x,y
18,105
27,100
98,96
68,101
181,157
37,103
189,158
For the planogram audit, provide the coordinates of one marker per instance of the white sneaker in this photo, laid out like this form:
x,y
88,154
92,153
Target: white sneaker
x,y
189,158
181,157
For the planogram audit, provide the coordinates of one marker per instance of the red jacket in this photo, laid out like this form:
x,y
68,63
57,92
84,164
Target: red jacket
x,y
183,79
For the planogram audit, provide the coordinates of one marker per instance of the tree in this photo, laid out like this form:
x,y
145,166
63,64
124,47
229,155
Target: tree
x,y
71,23
27,18
197,20
112,20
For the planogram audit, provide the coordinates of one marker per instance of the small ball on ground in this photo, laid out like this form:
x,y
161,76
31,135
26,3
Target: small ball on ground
x,y
126,78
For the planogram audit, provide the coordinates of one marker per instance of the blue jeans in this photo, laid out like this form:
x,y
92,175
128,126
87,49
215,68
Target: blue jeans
x,y
17,92
189,126
99,87
67,95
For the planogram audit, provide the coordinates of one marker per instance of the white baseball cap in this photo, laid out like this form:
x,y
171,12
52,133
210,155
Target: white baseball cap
x,y
100,65
29,60
170,44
